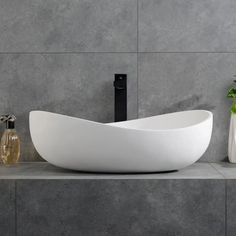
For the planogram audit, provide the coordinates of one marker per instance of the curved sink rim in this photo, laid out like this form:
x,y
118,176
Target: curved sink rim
x,y
209,116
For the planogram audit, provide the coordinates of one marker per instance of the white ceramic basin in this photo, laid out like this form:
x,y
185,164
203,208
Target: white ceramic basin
x,y
159,143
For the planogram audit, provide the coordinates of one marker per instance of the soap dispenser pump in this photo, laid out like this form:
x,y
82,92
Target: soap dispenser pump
x,y
10,142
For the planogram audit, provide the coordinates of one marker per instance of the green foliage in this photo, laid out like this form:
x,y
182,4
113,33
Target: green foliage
x,y
232,94
233,108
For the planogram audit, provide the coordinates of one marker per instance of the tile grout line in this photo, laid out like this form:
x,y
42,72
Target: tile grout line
x,y
188,52
137,48
226,200
61,53
137,86
15,207
137,59
225,183
112,52
221,174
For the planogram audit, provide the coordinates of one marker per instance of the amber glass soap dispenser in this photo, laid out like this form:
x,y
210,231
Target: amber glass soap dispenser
x,y
10,142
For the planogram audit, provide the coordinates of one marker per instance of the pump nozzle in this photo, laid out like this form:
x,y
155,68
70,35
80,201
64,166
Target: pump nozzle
x,y
9,120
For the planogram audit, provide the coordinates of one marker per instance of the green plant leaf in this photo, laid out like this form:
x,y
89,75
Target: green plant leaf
x,y
233,108
232,93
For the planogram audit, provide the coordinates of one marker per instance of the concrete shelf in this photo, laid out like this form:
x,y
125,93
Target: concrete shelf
x,y
40,199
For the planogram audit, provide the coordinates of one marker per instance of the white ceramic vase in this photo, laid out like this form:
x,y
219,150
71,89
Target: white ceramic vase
x,y
232,139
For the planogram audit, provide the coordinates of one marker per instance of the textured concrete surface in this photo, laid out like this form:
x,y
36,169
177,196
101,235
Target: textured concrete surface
x,y
68,26
198,200
228,170
47,59
120,207
79,85
7,208
49,72
44,170
231,207
187,26
170,82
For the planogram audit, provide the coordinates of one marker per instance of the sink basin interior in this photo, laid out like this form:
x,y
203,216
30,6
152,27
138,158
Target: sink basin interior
x,y
175,120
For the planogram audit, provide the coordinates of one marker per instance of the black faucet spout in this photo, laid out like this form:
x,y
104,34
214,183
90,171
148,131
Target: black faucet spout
x,y
120,85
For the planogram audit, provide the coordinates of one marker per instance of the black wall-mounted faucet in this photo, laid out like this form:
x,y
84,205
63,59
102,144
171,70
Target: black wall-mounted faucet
x,y
120,85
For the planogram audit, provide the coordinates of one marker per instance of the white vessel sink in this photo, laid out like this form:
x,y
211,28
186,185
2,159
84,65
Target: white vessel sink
x,y
159,143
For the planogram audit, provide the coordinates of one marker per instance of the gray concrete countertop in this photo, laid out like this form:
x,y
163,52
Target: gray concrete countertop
x,y
43,170
227,170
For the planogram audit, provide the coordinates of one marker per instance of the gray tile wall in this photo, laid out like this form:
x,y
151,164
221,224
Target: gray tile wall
x,y
231,207
113,207
7,207
60,56
75,84
121,207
